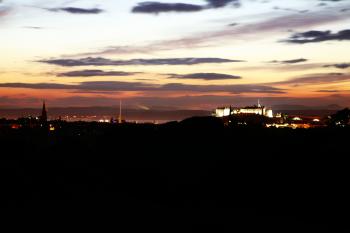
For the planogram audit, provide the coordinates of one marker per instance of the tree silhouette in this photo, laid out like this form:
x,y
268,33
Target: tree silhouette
x,y
340,118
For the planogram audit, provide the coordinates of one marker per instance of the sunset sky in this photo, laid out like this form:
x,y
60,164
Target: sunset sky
x,y
189,54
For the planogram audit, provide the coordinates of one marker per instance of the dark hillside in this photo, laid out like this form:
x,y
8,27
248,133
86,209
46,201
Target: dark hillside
x,y
193,176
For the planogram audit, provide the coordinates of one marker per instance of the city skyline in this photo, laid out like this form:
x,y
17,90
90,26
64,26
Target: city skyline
x,y
195,54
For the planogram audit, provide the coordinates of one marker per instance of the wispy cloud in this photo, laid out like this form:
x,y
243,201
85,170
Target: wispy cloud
x,y
92,73
76,10
283,23
291,10
282,67
115,86
33,27
316,79
293,61
99,61
339,65
205,76
4,10
331,0
327,91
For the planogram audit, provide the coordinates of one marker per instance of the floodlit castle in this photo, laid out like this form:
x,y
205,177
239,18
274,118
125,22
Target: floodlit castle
x,y
251,110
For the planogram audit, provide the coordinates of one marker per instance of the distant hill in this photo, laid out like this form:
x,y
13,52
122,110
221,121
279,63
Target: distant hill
x,y
308,112
129,114
303,110
303,107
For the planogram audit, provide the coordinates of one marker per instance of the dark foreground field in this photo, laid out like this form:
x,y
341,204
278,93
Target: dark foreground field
x,y
179,178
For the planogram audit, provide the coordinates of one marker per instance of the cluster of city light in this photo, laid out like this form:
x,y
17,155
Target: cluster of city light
x,y
104,121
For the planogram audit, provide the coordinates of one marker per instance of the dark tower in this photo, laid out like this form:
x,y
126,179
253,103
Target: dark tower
x,y
43,117
120,119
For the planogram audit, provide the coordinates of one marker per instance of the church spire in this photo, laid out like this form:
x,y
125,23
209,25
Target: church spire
x,y
44,113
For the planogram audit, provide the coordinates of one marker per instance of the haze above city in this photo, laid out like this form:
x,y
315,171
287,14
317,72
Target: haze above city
x,y
183,54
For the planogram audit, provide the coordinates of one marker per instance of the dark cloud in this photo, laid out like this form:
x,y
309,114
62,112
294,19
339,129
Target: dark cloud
x,y
223,3
99,61
158,7
75,10
316,79
37,85
92,73
345,10
318,36
205,76
293,61
327,91
233,24
115,86
339,65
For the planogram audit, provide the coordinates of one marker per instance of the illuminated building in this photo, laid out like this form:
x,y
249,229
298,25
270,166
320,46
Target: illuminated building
x,y
222,112
252,110
52,127
16,126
